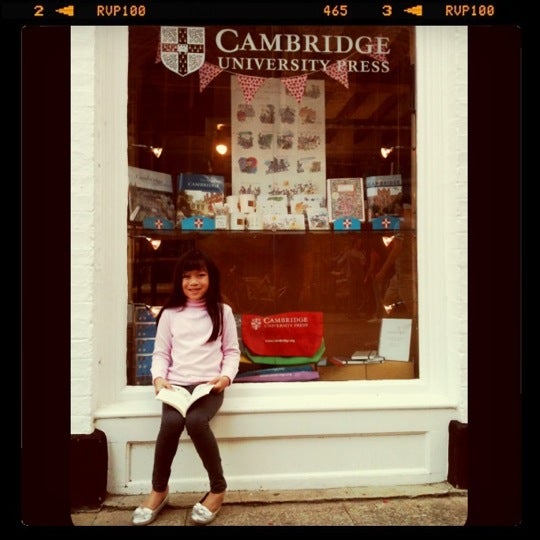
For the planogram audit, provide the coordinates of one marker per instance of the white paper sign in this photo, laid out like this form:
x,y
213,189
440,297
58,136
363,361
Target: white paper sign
x,y
395,339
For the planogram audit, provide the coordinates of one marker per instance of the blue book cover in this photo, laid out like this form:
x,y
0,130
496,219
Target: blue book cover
x,y
157,223
145,346
197,194
198,223
146,330
347,224
388,223
144,363
143,314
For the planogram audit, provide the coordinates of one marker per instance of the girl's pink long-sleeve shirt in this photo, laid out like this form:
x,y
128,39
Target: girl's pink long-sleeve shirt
x,y
182,355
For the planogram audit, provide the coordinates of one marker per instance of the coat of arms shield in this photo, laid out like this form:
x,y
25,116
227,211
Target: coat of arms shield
x,y
182,48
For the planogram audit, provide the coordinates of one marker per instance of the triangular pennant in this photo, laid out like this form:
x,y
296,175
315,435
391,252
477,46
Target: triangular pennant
x,y
249,85
340,75
295,86
379,57
207,73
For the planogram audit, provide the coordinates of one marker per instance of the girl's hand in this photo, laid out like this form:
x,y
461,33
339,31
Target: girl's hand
x,y
160,383
220,383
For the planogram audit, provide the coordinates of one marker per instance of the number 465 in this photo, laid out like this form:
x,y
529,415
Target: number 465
x,y
336,11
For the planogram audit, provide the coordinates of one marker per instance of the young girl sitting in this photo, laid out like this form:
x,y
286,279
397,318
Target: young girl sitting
x,y
196,342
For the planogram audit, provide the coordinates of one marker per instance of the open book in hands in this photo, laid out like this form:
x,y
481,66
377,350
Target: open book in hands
x,y
181,399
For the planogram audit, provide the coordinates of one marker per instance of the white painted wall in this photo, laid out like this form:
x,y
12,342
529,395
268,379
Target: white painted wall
x,y
277,435
83,229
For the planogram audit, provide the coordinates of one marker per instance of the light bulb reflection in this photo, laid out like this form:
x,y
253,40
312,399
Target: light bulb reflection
x,y
221,149
154,310
154,243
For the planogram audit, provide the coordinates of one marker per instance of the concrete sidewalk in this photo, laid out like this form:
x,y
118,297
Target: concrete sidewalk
x,y
423,505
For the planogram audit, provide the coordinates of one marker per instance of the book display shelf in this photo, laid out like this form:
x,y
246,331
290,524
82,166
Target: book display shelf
x,y
268,272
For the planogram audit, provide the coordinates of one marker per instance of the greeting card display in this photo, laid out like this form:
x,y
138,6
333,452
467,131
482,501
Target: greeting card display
x,y
301,203
317,219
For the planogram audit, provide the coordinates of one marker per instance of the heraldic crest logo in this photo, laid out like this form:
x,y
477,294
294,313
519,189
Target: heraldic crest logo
x,y
182,48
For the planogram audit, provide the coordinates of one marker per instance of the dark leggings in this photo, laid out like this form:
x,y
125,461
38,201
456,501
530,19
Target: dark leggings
x,y
197,424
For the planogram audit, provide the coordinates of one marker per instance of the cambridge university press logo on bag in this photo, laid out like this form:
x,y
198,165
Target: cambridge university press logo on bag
x,y
256,323
182,48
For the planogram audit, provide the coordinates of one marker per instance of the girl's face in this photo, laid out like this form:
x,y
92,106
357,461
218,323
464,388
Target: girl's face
x,y
195,283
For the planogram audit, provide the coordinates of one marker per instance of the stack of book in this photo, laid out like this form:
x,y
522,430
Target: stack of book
x,y
279,374
358,357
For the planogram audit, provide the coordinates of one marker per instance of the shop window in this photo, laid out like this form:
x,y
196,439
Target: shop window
x,y
318,119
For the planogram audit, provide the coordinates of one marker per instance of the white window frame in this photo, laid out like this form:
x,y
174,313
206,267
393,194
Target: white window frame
x,y
441,202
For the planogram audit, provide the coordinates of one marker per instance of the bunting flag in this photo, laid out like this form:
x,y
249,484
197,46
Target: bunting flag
x,y
207,73
339,75
377,56
249,85
295,86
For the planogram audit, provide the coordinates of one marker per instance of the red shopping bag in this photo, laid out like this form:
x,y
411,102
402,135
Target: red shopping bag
x,y
294,333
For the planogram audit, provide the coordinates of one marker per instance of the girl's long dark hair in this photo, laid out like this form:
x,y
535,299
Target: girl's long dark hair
x,y
197,260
